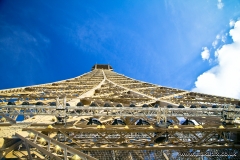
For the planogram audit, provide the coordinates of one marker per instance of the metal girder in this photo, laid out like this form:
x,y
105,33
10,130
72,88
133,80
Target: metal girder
x,y
28,150
5,151
44,151
147,138
22,154
13,121
47,144
118,111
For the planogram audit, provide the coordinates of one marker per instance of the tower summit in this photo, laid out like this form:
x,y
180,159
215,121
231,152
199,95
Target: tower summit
x,y
105,115
102,66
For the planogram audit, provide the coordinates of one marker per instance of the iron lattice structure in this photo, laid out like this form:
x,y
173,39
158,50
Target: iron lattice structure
x,y
105,115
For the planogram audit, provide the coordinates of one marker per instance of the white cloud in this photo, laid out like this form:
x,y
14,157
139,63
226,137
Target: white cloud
x,y
216,53
210,61
223,79
205,53
231,23
214,44
219,38
224,37
220,4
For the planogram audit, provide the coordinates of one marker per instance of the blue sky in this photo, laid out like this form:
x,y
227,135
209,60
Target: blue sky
x,y
172,43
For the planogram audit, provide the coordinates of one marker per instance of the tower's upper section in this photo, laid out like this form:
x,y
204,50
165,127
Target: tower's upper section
x,y
102,66
103,86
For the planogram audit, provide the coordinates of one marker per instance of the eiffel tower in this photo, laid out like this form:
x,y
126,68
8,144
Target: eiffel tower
x,y
109,116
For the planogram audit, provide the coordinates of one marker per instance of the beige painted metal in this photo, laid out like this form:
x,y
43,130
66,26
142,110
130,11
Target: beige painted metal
x,y
104,87
9,131
143,137
52,142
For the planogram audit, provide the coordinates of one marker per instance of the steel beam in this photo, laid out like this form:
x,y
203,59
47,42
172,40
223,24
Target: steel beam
x,y
145,138
4,152
13,121
38,147
67,149
119,111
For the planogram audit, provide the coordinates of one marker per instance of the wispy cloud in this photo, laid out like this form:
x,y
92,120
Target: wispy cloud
x,y
22,52
219,39
220,4
19,46
17,40
215,43
224,37
205,53
231,23
92,36
224,78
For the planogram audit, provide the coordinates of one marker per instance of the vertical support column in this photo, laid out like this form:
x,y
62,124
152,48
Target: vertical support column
x,y
64,102
35,138
48,147
113,155
65,154
28,150
57,102
130,156
65,111
161,115
165,116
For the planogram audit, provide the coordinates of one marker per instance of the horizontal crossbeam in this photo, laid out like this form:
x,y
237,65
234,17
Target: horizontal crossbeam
x,y
146,138
118,111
